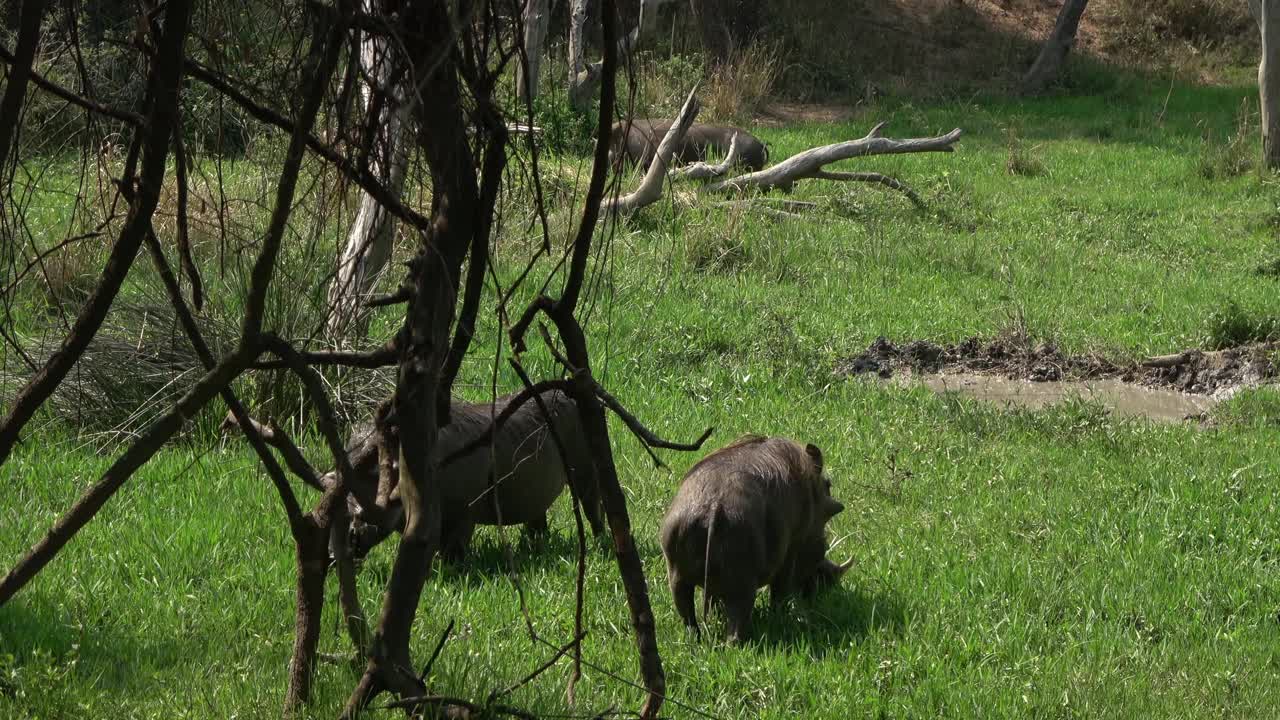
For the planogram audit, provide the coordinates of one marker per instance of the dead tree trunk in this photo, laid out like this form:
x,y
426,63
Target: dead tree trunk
x,y
1053,54
372,235
536,15
651,186
1269,82
583,78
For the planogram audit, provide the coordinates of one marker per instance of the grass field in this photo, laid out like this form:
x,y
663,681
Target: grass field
x,y
1051,564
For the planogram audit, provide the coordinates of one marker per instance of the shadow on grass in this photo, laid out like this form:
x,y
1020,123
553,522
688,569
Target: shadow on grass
x,y
50,639
487,556
27,627
827,622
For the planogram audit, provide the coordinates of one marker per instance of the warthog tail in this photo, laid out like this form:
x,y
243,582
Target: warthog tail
x,y
706,564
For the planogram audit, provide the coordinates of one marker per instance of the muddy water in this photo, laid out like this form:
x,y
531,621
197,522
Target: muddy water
x,y
1123,399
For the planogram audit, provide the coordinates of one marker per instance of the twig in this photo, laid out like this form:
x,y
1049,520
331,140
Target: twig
x,y
444,637
873,177
280,440
125,116
402,295
643,432
580,588
540,669
510,409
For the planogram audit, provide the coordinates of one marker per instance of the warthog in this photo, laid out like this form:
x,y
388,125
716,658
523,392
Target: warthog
x,y
751,514
641,142
523,464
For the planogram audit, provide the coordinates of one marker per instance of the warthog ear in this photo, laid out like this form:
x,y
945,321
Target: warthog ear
x,y
832,507
816,455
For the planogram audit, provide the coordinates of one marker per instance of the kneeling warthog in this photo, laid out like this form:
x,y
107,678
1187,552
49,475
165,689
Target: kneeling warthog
x,y
751,514
528,473
641,142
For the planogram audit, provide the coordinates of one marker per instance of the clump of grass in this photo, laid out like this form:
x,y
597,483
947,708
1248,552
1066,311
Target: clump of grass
x,y
662,84
1270,268
1234,156
1021,159
68,276
738,87
712,247
1257,407
1232,326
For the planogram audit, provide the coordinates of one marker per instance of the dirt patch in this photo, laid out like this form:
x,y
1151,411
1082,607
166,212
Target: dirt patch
x,y
777,114
1218,373
1118,397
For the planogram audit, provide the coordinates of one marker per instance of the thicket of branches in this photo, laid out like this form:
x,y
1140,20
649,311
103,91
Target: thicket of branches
x,y
212,262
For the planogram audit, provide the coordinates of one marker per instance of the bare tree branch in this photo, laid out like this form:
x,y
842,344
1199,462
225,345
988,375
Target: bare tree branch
x,y
810,163
125,116
293,457
651,187
362,178
705,171
15,89
873,177
163,88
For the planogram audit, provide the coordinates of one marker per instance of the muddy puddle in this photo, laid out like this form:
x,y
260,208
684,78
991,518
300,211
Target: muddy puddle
x,y
1017,373
1118,397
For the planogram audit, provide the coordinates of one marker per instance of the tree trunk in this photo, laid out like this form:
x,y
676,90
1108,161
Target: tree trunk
x,y
583,78
311,551
1048,65
1269,82
579,95
29,14
435,276
536,15
372,234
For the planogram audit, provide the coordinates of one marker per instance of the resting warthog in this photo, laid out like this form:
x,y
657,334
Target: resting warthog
x,y
529,475
751,514
640,144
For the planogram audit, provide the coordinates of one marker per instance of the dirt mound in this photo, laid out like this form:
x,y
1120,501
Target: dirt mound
x,y
1192,371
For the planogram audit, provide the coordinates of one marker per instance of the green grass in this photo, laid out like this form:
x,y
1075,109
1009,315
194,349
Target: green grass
x,y
1029,564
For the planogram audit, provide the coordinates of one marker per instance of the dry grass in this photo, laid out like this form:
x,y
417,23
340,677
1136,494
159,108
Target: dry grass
x,y
738,88
1235,155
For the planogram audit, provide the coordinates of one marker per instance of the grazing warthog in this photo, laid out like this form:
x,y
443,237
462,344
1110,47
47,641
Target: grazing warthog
x,y
751,514
527,471
641,142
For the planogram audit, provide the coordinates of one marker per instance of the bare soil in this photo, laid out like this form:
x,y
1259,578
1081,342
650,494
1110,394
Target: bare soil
x,y
1216,373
